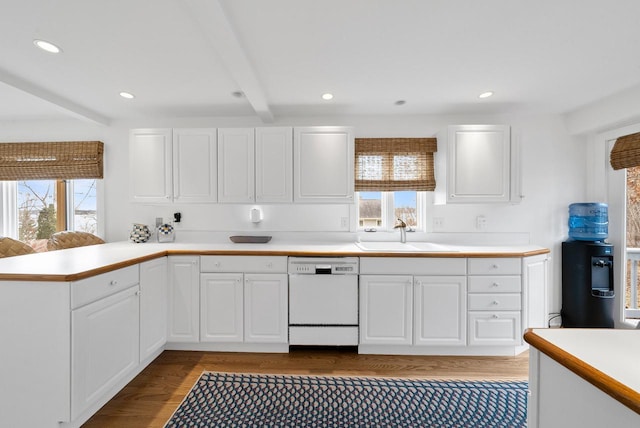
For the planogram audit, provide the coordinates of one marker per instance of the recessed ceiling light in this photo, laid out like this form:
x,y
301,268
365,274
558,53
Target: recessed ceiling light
x,y
327,96
400,102
485,94
127,95
47,46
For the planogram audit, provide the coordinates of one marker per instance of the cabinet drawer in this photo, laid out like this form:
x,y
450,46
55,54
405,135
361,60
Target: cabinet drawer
x,y
99,286
250,264
495,266
414,266
495,302
495,284
495,328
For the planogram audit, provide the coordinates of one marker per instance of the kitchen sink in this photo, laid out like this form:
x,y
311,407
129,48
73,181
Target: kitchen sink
x,y
393,246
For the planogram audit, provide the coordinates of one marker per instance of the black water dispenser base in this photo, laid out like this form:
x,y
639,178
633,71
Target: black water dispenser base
x,y
587,284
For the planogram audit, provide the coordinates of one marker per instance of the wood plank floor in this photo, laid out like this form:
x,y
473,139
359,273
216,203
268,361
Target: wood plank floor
x,y
151,398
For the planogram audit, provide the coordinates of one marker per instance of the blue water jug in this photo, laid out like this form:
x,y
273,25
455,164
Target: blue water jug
x,y
588,221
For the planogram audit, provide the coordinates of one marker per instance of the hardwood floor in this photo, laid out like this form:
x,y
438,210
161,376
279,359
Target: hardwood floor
x,y
151,398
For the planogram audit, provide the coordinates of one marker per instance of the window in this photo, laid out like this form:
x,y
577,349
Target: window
x,y
392,176
35,209
48,187
380,210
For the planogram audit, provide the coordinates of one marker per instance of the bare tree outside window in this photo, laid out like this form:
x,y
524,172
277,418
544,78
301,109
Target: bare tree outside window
x,y
36,212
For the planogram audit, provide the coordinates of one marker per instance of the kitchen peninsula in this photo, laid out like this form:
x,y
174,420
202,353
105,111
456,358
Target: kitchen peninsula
x,y
79,324
584,378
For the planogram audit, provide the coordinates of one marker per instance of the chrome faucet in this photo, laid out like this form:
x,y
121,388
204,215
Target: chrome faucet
x,y
403,230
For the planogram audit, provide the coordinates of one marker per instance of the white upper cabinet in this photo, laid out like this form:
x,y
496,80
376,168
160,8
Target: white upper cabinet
x,y
274,164
481,165
255,165
150,165
195,177
323,164
236,159
173,165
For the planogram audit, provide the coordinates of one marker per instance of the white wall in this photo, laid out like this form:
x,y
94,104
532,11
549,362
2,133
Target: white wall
x,y
553,176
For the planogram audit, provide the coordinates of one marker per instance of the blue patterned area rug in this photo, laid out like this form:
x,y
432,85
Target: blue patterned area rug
x,y
244,400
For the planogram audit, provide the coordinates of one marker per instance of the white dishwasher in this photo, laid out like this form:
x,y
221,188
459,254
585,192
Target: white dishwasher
x,y
323,301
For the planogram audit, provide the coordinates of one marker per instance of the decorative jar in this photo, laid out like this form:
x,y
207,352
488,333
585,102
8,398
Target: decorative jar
x,y
140,233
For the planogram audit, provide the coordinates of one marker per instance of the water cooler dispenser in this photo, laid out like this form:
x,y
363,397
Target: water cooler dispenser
x,y
587,269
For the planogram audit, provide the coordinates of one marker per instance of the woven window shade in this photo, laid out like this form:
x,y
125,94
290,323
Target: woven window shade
x,y
626,152
390,164
51,160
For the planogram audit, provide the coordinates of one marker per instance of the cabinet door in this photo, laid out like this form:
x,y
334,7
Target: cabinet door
x,y
440,310
221,307
323,164
150,165
535,274
265,308
386,310
104,347
153,306
184,299
195,165
274,164
479,163
236,160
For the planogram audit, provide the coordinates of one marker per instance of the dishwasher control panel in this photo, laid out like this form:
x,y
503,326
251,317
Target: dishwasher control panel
x,y
323,266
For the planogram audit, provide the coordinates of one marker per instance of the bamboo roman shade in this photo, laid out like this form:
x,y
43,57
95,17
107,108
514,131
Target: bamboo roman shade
x,y
626,152
390,164
51,160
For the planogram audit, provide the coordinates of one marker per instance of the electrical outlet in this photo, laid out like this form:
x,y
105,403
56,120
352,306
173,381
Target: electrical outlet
x,y
438,223
481,222
344,222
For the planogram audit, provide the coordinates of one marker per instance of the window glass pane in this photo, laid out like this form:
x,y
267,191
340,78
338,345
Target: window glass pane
x,y
405,207
85,218
370,209
36,212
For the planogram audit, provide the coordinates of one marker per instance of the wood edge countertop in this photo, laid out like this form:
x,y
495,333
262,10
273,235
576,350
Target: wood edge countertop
x,y
135,259
612,387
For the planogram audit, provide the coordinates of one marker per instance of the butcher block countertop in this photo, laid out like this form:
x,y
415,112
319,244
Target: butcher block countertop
x,y
606,358
78,263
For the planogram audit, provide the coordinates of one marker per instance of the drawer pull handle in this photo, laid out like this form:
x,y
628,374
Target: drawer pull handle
x,y
495,266
495,302
217,264
495,316
495,284
113,282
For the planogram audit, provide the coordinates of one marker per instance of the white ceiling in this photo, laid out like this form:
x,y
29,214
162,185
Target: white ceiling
x,y
184,58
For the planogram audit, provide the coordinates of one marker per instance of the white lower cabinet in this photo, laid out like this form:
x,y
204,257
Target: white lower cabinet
x,y
386,309
153,306
244,299
408,310
104,347
495,302
464,306
440,310
221,305
184,299
265,308
416,310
